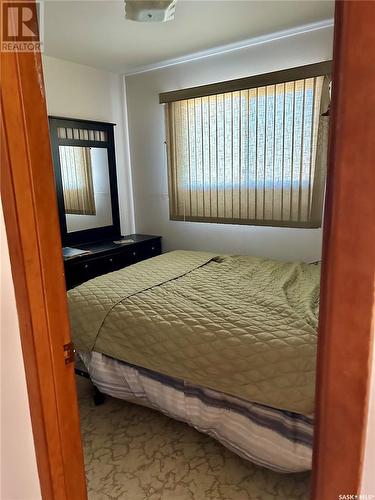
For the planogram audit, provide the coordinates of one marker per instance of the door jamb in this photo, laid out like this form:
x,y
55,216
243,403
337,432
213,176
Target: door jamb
x,y
30,213
345,339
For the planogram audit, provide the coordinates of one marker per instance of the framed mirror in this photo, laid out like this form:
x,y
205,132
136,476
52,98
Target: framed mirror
x,y
86,182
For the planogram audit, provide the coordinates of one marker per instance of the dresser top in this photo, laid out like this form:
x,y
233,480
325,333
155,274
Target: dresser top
x,y
109,245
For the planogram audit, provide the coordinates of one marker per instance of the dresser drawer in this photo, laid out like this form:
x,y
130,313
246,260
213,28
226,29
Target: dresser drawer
x,y
150,249
117,260
82,269
78,272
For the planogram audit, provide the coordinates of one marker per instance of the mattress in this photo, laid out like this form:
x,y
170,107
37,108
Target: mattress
x,y
240,325
272,438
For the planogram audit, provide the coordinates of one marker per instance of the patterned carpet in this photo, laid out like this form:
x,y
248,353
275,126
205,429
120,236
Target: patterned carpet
x,y
134,453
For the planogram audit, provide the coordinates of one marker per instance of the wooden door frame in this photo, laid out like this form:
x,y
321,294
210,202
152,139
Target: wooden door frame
x,y
30,212
345,341
31,219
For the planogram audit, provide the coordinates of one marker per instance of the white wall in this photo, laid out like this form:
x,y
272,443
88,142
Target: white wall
x,y
368,477
19,477
148,158
76,91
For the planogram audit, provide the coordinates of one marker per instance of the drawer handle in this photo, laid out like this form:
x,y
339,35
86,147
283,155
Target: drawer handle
x,y
134,253
86,266
152,248
110,260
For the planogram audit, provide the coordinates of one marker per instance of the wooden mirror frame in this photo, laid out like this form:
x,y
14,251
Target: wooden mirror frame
x,y
99,233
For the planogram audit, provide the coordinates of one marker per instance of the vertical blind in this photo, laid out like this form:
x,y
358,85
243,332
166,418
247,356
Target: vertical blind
x,y
254,156
77,181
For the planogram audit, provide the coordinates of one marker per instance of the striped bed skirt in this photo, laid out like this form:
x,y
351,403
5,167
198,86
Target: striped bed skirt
x,y
277,439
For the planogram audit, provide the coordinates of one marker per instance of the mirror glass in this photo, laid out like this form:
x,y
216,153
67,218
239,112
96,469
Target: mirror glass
x,y
86,187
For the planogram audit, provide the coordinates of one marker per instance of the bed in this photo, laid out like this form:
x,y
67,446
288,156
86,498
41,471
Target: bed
x,y
225,343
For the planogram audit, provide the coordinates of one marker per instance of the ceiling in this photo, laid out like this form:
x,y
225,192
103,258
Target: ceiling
x,y
95,33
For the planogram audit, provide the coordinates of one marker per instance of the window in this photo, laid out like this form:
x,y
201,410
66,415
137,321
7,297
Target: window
x,y
252,155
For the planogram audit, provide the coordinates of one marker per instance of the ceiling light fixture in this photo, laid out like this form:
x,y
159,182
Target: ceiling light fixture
x,y
149,11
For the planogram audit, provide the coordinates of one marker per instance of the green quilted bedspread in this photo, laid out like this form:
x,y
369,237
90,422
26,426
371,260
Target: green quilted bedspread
x,y
245,326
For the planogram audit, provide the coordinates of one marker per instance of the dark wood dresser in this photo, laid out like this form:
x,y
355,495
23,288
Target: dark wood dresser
x,y
107,256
